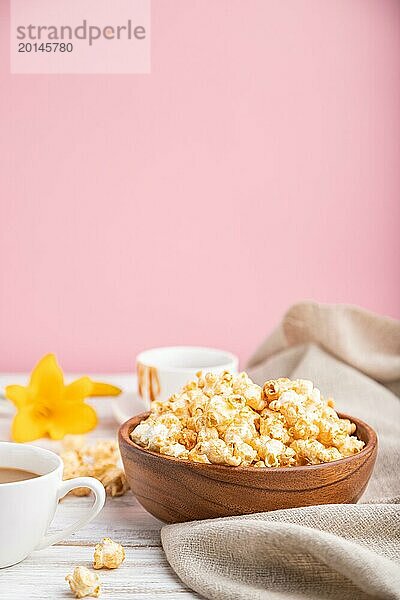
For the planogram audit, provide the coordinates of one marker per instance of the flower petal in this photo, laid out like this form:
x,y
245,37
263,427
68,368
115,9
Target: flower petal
x,y
26,427
75,417
78,390
104,389
47,379
18,394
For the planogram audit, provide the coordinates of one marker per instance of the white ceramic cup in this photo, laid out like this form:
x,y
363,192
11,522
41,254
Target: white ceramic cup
x,y
28,507
163,371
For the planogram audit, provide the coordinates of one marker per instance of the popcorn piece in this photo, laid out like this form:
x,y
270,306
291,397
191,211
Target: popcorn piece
x,y
274,387
108,554
100,459
303,386
188,438
74,466
153,434
172,422
254,397
227,419
143,432
245,452
303,429
194,456
208,386
289,404
207,433
314,452
113,479
105,451
177,404
274,453
349,445
241,428
221,410
175,450
218,452
84,583
274,425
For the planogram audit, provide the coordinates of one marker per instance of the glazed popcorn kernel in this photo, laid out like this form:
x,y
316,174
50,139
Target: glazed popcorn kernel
x,y
113,479
84,583
101,460
108,554
228,419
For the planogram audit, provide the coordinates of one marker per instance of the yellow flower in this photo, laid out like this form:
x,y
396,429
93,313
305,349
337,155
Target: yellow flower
x,y
49,407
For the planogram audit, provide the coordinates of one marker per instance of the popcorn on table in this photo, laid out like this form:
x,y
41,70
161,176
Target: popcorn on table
x,y
100,459
84,583
108,554
228,419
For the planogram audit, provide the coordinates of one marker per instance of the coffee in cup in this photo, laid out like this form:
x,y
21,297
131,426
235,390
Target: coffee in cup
x,y
9,475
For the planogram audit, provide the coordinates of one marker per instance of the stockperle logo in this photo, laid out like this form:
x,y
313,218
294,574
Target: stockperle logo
x,y
80,36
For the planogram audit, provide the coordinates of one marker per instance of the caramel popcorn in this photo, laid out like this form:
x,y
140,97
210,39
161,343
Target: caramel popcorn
x,y
113,479
227,419
100,460
108,554
84,583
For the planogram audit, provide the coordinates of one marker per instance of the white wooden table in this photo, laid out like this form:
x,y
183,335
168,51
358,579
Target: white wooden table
x,y
145,574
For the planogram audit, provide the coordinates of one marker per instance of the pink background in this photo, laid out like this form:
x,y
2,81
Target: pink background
x,y
257,165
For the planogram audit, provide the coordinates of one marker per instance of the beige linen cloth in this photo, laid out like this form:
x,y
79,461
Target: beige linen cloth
x,y
319,552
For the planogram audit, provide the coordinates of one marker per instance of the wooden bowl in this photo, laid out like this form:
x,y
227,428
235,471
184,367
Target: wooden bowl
x,y
175,490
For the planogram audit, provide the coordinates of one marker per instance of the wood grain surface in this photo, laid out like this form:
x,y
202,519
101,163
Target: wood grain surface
x,y
175,490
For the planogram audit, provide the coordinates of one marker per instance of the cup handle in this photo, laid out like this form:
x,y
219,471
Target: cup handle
x,y
65,487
